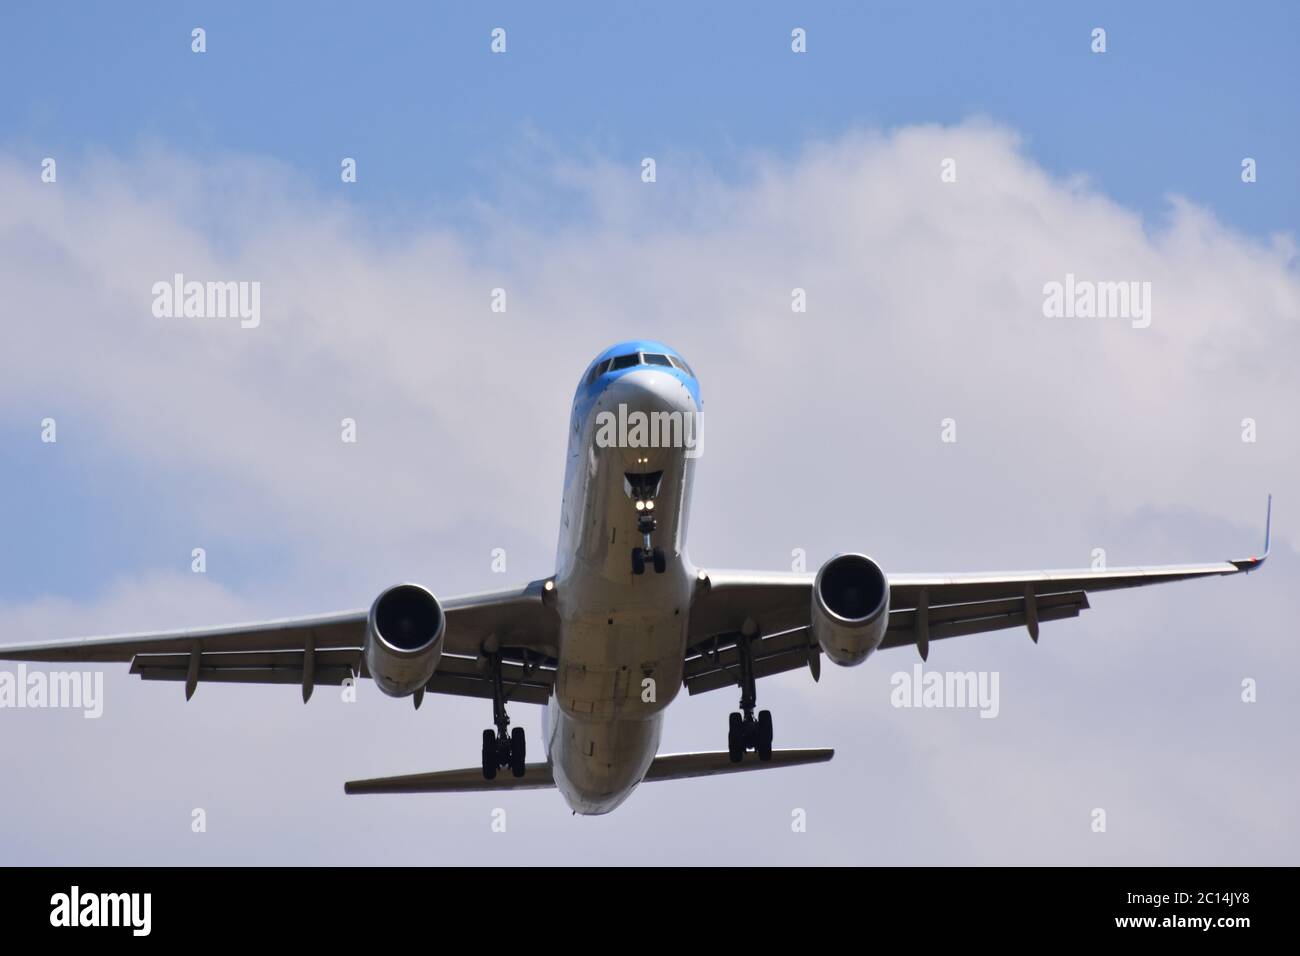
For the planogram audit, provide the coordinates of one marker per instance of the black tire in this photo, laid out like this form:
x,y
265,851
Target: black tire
x,y
518,751
489,755
764,735
660,562
735,738
638,561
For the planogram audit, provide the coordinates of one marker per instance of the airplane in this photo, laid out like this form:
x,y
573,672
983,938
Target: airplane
x,y
609,640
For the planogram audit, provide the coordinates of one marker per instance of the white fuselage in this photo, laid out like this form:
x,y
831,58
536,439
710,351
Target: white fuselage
x,y
622,635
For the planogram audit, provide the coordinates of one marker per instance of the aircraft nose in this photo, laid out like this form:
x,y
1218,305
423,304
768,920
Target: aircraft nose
x,y
650,391
646,413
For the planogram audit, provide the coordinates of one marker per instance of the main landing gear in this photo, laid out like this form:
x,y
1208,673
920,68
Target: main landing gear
x,y
743,731
502,747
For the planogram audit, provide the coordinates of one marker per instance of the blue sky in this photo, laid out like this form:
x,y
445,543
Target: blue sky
x,y
775,170
410,89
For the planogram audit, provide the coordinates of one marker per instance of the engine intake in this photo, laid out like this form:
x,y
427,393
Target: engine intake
x,y
404,639
850,608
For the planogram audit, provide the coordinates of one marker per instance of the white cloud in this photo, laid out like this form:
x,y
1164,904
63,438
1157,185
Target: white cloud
x,y
925,302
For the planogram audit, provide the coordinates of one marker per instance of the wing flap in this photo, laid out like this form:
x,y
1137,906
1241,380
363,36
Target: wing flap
x,y
717,664
526,683
959,620
458,676
269,667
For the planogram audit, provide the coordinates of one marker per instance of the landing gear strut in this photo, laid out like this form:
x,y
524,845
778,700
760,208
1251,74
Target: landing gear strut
x,y
743,731
643,488
645,526
502,747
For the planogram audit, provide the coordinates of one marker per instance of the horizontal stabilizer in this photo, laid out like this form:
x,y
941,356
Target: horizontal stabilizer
x,y
538,776
681,766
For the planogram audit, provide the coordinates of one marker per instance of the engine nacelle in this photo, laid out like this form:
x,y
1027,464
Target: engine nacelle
x,y
404,639
850,608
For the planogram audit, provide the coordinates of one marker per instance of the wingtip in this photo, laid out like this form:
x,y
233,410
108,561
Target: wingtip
x,y
1268,528
1250,564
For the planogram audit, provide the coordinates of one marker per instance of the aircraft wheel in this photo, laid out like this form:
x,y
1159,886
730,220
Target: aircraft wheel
x,y
638,561
518,751
660,561
489,755
735,738
764,735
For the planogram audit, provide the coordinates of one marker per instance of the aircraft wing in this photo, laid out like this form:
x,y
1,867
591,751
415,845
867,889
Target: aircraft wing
x,y
922,608
327,649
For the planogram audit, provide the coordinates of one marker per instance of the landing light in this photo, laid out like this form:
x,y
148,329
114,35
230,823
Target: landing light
x,y
640,506
649,506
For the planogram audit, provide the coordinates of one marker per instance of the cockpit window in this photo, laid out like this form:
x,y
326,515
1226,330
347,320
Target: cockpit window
x,y
633,359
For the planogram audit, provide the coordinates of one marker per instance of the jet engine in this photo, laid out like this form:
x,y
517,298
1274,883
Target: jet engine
x,y
850,608
404,639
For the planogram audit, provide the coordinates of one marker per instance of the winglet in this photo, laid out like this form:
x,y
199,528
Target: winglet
x,y
1250,564
1268,527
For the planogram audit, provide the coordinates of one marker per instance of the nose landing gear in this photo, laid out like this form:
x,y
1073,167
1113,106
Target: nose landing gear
x,y
643,488
656,556
645,526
